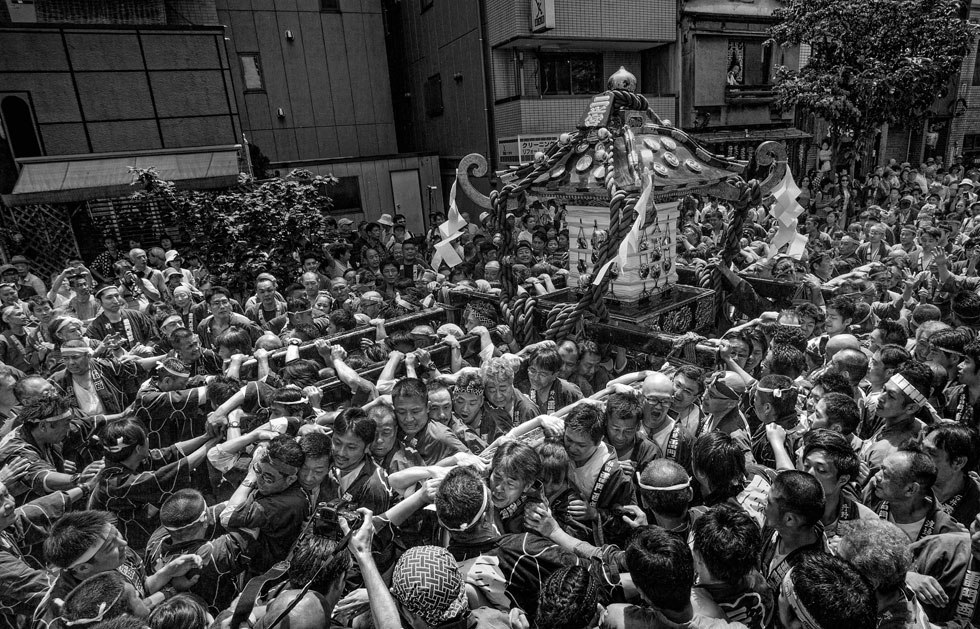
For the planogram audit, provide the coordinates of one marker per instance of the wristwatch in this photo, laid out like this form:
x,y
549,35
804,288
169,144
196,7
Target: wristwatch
x,y
234,424
248,483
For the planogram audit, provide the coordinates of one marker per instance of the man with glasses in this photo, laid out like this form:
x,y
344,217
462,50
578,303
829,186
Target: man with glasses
x,y
673,440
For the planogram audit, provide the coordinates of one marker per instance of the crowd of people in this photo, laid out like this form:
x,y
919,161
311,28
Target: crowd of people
x,y
173,455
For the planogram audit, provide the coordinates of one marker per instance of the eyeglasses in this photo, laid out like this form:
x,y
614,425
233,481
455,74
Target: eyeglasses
x,y
658,402
534,373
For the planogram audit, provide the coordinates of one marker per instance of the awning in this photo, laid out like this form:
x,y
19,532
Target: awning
x,y
750,135
64,179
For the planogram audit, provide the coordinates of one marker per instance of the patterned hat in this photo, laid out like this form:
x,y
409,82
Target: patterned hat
x,y
427,582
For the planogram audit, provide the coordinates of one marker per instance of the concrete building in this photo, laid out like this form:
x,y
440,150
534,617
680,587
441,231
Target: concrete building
x,y
313,91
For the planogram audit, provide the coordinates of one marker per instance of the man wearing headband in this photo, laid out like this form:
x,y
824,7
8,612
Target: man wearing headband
x,y
774,401
793,511
512,567
722,394
903,396
189,525
168,408
665,495
946,350
271,500
45,424
902,492
824,592
135,329
96,386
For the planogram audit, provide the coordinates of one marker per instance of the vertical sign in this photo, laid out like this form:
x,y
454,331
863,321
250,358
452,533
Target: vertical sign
x,y
542,15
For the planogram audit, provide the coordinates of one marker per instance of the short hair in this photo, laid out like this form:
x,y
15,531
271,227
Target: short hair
x,y
218,290
586,419
302,373
844,306
719,458
182,611
554,461
892,332
921,467
497,370
786,360
315,445
343,320
102,595
834,592
789,337
662,567
547,358
518,461
842,409
894,356
801,494
182,508
181,334
810,310
568,599
285,450
949,339
957,440
785,403
23,385
728,542
664,473
924,313
120,438
412,388
354,420
36,411
625,405
832,382
222,388
836,448
310,553
692,372
74,533
235,339
460,497
880,551
919,376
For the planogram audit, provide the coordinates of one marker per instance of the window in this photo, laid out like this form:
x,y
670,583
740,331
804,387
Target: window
x,y
433,96
570,74
252,72
749,62
19,123
330,6
976,70
346,195
971,142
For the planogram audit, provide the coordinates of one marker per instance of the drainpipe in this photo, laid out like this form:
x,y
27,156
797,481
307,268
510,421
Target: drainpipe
x,y
488,90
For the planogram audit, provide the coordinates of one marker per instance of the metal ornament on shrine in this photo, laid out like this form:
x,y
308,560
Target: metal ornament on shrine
x,y
619,176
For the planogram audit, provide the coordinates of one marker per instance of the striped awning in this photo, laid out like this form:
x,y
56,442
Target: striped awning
x,y
63,179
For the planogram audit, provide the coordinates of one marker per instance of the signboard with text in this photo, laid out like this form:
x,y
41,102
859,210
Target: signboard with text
x,y
521,149
542,15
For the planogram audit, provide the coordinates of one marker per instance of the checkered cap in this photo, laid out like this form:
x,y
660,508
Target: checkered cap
x,y
427,582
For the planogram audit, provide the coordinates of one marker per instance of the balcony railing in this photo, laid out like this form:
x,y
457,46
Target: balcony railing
x,y
749,94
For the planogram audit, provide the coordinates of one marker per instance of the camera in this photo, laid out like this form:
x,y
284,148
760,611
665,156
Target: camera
x,y
326,519
535,493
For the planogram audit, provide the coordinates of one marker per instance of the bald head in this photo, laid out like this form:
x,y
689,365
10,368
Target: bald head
x,y
841,342
663,502
658,393
851,363
268,342
568,351
663,473
657,384
313,612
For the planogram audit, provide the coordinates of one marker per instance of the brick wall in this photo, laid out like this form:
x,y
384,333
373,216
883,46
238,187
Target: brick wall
x,y
101,11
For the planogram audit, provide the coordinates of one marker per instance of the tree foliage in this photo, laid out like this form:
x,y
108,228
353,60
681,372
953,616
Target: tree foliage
x,y
242,232
872,62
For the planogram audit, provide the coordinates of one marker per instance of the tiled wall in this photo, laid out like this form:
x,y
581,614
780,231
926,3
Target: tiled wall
x,y
101,11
